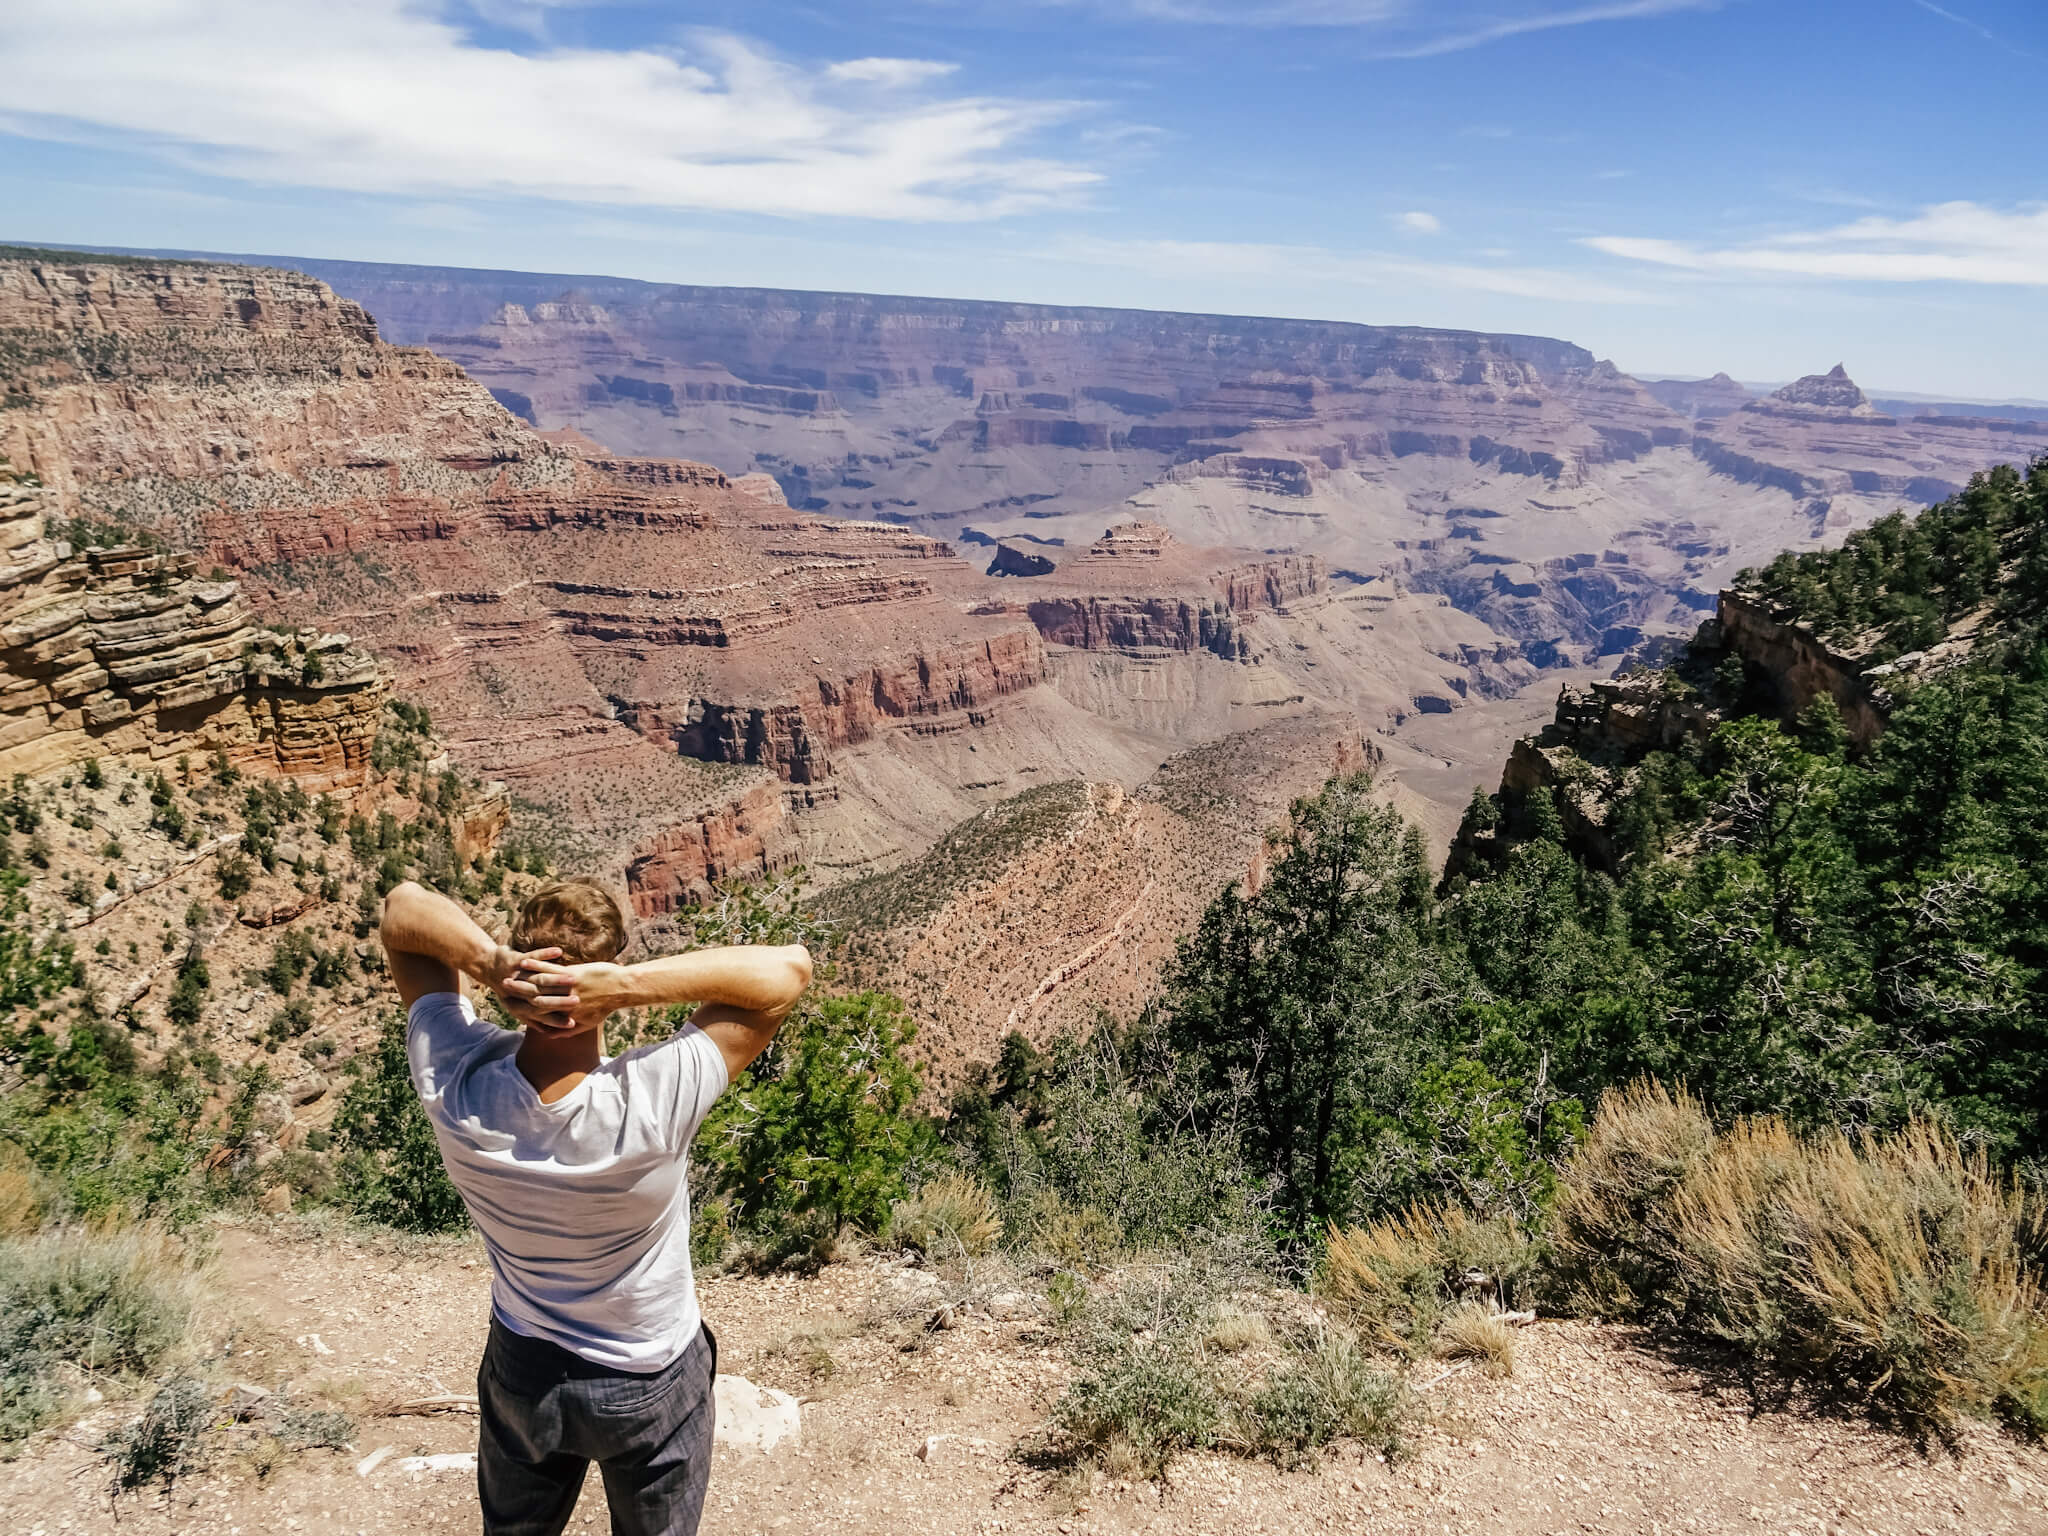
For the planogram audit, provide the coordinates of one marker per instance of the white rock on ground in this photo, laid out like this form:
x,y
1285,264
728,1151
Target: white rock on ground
x,y
754,1418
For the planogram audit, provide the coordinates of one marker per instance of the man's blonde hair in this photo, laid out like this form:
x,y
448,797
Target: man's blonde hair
x,y
579,917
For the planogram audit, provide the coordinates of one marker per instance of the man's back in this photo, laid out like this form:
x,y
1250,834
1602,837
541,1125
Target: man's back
x,y
574,1168
583,1203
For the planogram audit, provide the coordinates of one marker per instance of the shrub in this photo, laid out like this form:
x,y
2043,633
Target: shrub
x,y
826,1121
118,1149
167,1441
1615,1252
710,1233
1396,1279
1124,1168
1899,1272
21,1200
953,1214
1179,1357
1328,1389
114,1302
1142,1402
188,994
1472,1332
1081,1238
234,873
390,1168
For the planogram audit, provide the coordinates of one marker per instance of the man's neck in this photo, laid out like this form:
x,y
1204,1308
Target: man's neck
x,y
556,1063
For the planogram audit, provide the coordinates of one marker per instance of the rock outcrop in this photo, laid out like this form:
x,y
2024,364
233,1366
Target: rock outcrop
x,y
1587,755
1821,439
741,838
1832,393
1140,591
124,649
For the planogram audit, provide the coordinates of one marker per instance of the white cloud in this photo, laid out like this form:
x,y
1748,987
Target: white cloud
x,y
893,73
388,96
1296,264
1419,223
1958,242
1409,29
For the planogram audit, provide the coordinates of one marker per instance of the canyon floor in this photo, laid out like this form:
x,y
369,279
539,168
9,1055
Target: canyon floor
x,y
909,1428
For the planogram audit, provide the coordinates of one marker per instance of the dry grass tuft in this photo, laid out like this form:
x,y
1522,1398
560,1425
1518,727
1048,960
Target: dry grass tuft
x,y
1081,1238
1471,1332
1234,1330
952,1215
1898,1271
21,1203
1394,1279
1614,1249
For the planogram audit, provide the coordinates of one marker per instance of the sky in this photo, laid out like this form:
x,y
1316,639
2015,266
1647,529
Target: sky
x,y
1762,187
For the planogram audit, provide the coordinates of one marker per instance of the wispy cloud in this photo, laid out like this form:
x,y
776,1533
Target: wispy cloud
x,y
1296,264
892,73
396,97
1419,223
1977,27
1958,242
1406,29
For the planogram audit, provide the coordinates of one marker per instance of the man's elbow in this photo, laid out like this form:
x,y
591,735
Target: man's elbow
x,y
400,896
800,970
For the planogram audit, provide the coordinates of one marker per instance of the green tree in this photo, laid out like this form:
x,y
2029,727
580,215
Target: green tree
x,y
1310,1009
389,1164
826,1121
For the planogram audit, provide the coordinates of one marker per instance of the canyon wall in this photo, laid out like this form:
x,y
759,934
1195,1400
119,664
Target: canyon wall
x,y
124,650
667,668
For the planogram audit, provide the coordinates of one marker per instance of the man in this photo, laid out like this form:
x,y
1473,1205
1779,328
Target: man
x,y
572,1166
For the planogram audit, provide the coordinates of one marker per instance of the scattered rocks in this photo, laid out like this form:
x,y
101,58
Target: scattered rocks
x,y
1013,1306
754,1418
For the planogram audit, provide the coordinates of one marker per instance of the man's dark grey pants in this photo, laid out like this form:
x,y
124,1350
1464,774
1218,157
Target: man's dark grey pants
x,y
545,1415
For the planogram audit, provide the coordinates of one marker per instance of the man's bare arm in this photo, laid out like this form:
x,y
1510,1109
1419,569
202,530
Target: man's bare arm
x,y
747,990
430,941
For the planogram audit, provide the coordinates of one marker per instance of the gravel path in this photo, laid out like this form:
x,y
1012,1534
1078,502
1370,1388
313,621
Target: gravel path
x,y
1591,1433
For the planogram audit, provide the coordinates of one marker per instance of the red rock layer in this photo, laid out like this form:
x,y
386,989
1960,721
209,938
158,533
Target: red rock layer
x,y
681,864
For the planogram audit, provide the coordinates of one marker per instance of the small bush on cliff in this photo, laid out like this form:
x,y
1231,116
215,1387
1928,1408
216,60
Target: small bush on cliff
x,y
825,1122
32,969
389,1165
1897,1272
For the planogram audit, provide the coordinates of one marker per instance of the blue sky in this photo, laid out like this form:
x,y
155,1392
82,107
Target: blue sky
x,y
1761,186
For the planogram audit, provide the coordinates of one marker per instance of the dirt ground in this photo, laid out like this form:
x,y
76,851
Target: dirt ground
x,y
1591,1433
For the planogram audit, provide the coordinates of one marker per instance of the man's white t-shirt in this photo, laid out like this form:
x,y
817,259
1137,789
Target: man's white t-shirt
x,y
583,1204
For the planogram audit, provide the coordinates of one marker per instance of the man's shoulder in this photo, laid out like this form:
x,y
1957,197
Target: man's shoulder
x,y
442,1031
438,1012
688,1055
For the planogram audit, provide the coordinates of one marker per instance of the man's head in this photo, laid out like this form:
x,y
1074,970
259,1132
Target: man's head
x,y
577,917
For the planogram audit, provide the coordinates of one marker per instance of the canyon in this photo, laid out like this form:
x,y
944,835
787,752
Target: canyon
x,y
681,679
723,583
1463,463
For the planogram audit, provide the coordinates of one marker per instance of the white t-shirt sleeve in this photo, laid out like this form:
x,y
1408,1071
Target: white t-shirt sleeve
x,y
697,1068
440,1030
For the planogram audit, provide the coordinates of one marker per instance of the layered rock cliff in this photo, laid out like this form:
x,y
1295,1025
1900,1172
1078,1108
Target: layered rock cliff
x,y
113,650
640,648
1588,754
